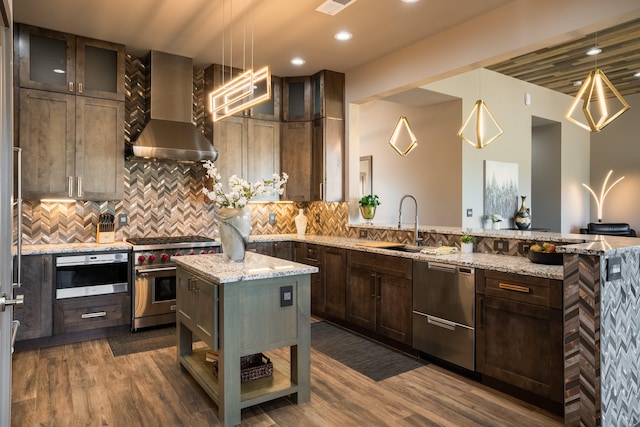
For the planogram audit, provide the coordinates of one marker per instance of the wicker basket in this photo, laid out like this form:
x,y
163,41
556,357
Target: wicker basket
x,y
252,367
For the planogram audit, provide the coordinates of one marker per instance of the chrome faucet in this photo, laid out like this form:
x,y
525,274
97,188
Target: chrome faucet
x,y
415,233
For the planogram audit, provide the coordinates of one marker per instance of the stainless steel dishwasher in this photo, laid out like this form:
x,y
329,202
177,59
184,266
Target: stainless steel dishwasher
x,y
443,312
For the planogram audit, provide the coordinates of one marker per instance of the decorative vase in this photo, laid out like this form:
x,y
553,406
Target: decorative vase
x,y
495,225
466,248
523,218
368,212
235,227
301,222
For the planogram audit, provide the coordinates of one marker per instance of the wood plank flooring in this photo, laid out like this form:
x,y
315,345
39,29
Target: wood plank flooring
x,y
82,384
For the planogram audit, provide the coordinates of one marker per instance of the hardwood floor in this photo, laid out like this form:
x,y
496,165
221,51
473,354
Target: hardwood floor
x,y
82,384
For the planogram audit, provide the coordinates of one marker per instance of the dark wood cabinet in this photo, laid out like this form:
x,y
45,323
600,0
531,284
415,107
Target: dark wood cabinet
x,y
327,95
58,62
87,313
310,254
379,294
296,160
519,332
296,99
70,115
36,316
282,250
334,276
327,169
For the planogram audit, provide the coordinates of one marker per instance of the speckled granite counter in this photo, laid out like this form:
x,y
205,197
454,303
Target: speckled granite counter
x,y
73,247
255,266
504,263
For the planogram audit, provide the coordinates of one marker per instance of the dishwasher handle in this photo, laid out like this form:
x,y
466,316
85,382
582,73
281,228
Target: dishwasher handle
x,y
441,323
447,268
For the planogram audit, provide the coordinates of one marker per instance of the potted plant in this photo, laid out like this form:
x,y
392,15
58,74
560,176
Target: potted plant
x,y
496,219
466,243
368,207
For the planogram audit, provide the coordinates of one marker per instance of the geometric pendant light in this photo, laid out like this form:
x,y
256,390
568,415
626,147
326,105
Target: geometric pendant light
x,y
485,127
403,123
601,102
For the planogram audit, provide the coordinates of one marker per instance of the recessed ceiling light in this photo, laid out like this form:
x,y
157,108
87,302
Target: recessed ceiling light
x,y
594,51
577,83
410,1
637,74
298,61
343,36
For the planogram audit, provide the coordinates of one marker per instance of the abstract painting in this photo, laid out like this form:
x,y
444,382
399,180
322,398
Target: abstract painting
x,y
501,190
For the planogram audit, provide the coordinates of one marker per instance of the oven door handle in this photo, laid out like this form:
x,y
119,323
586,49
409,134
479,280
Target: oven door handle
x,y
155,270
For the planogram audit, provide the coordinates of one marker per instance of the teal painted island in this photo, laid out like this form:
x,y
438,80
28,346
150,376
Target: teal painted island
x,y
239,309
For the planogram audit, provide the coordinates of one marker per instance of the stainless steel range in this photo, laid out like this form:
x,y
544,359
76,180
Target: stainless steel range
x,y
154,289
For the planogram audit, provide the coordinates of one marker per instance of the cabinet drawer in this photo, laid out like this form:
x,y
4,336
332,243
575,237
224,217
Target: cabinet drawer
x,y
385,264
91,313
514,287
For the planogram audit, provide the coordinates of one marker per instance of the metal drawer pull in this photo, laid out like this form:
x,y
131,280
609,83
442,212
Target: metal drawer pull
x,y
441,323
92,315
510,287
70,86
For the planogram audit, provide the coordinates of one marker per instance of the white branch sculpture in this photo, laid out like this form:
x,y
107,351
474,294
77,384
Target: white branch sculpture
x,y
603,193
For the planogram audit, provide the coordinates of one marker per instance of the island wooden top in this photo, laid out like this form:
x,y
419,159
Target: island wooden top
x,y
217,269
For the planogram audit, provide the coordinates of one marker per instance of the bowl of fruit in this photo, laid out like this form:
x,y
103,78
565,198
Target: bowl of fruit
x,y
545,253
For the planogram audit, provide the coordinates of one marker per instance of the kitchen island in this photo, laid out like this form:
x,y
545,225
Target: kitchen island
x,y
239,309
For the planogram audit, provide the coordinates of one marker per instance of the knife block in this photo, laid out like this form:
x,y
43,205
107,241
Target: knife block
x,y
106,233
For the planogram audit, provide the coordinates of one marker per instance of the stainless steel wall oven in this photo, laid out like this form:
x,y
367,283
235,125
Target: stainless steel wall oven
x,y
154,288
82,275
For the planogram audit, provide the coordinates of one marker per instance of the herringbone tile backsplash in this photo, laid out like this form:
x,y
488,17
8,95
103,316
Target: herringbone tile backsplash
x,y
166,199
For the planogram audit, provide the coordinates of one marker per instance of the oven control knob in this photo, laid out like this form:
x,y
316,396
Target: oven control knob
x,y
152,258
164,257
192,253
142,259
178,254
213,251
203,252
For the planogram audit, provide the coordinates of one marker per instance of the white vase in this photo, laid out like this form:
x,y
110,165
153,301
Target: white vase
x,y
466,248
496,226
301,222
235,227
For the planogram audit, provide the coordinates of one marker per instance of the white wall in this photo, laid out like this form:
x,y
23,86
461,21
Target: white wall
x,y
432,172
546,177
516,28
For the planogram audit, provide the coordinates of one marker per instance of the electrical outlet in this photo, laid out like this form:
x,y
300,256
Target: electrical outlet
x,y
272,218
123,219
523,247
469,213
363,234
317,218
614,268
286,296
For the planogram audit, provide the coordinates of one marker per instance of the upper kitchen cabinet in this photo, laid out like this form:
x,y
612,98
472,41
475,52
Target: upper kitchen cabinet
x,y
327,95
327,169
295,160
73,146
58,62
296,99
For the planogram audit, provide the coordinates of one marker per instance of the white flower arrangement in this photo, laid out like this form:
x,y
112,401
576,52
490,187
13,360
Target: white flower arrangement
x,y
496,218
242,191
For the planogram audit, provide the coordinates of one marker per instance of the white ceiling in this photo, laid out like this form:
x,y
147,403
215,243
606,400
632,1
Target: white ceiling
x,y
282,29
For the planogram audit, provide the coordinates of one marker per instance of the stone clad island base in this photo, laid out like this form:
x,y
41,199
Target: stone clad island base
x,y
242,308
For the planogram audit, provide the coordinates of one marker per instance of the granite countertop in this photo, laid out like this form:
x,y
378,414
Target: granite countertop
x,y
504,263
219,270
55,248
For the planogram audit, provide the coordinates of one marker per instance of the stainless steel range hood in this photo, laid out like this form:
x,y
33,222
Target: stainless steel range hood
x,y
170,133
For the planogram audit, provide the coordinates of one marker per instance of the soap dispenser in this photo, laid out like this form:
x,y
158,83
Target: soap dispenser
x,y
301,223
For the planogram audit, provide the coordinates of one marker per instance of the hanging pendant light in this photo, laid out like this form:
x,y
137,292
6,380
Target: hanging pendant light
x,y
239,93
485,126
599,99
403,123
